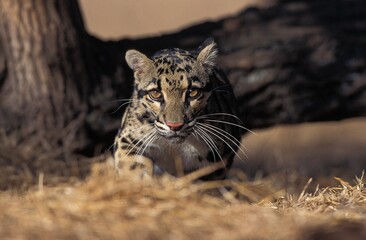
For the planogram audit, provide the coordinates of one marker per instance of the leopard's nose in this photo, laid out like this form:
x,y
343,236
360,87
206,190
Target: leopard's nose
x,y
175,126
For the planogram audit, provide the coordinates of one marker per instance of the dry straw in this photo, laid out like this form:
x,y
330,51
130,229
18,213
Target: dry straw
x,y
106,206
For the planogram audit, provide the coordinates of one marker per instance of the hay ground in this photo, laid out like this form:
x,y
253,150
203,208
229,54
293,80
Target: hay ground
x,y
104,206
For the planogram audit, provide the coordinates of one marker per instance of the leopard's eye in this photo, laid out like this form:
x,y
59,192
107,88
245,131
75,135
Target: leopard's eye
x,y
155,94
194,93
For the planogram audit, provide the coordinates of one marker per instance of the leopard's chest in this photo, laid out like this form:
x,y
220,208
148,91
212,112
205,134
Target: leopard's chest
x,y
179,158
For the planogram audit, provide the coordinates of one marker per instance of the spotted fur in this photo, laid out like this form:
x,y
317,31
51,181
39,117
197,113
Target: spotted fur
x,y
182,113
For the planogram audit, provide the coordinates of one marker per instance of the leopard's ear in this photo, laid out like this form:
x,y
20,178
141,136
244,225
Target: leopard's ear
x,y
138,62
208,54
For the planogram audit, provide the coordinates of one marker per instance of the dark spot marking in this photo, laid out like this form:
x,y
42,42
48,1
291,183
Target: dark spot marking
x,y
200,159
143,117
188,59
195,79
149,100
141,93
160,71
125,140
172,68
124,147
158,83
136,165
187,68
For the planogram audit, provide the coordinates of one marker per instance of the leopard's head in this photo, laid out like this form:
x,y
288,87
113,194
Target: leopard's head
x,y
174,85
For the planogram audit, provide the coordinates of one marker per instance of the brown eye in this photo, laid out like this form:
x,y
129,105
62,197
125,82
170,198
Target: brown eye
x,y
194,93
155,94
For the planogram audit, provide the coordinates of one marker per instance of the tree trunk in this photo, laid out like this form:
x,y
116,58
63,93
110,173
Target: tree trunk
x,y
48,83
45,90
56,89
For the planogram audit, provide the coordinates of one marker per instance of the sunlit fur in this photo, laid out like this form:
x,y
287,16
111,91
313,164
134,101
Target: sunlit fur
x,y
182,113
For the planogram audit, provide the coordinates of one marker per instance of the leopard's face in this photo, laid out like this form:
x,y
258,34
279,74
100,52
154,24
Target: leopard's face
x,y
174,87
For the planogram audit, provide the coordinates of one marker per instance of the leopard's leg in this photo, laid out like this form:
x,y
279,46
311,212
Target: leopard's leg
x,y
124,161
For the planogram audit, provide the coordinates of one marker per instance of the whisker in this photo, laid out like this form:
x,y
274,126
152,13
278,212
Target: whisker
x,y
230,123
127,101
224,133
223,140
141,140
227,135
124,99
144,143
207,142
158,137
113,144
149,142
194,133
222,86
121,106
221,114
145,125
224,91
203,132
141,149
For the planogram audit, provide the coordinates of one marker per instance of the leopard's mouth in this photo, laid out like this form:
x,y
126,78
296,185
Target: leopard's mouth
x,y
175,137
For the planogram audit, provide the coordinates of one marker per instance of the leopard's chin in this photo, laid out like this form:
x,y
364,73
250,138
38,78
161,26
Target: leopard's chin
x,y
175,138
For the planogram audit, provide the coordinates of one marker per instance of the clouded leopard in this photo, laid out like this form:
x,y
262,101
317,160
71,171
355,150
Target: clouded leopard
x,y
182,114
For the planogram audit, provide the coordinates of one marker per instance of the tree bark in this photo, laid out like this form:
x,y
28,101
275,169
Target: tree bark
x,y
50,79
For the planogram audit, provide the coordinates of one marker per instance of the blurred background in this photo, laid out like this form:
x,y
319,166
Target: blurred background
x,y
298,69
115,19
311,149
